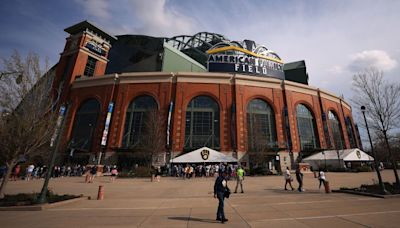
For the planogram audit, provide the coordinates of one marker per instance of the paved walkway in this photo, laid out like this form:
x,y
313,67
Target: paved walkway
x,y
190,203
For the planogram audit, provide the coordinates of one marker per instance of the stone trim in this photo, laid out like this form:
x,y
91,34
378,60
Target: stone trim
x,y
257,81
329,96
301,88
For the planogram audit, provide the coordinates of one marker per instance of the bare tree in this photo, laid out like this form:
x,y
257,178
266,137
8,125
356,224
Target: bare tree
x,y
381,99
260,150
27,119
153,140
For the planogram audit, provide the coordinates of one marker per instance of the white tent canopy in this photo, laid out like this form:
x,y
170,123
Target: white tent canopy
x,y
330,157
202,155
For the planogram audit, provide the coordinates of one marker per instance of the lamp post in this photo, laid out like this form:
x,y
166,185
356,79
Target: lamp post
x,y
381,185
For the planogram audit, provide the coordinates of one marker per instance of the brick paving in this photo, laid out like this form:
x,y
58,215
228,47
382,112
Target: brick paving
x,y
189,203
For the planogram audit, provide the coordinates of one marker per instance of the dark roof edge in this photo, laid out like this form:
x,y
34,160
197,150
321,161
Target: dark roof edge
x,y
81,26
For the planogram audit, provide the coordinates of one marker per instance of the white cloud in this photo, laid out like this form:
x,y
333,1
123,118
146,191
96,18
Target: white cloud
x,y
96,8
372,58
159,19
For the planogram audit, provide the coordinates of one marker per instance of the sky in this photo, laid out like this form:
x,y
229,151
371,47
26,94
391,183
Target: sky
x,y
336,38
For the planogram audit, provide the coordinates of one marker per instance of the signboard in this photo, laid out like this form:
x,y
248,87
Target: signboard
x,y
255,60
107,124
205,154
96,48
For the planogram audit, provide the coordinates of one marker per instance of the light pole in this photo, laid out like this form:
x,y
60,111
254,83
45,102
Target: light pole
x,y
382,186
107,122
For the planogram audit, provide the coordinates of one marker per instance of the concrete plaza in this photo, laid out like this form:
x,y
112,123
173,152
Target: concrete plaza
x,y
189,203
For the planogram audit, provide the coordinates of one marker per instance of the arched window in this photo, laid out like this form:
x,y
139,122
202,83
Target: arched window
x,y
85,124
202,124
306,128
260,125
350,133
336,128
135,120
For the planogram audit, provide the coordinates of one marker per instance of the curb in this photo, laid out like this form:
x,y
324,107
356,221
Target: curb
x,y
42,207
367,194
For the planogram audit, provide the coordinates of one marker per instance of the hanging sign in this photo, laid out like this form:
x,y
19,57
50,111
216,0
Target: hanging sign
x,y
107,124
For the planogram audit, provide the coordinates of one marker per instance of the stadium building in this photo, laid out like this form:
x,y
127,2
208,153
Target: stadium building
x,y
237,98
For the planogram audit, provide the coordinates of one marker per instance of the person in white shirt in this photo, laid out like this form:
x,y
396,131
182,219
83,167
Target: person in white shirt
x,y
288,179
321,178
29,171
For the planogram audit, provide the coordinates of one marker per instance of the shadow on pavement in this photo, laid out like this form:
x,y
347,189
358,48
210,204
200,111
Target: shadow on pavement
x,y
294,191
194,219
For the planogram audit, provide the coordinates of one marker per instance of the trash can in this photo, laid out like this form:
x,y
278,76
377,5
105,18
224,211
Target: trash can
x,y
327,188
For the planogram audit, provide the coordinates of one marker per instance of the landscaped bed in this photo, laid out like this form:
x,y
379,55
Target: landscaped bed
x,y
373,190
27,199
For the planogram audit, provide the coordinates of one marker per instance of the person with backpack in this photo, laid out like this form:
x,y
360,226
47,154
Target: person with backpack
x,y
221,191
299,177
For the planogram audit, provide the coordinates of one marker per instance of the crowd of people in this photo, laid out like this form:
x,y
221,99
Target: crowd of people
x,y
36,172
201,170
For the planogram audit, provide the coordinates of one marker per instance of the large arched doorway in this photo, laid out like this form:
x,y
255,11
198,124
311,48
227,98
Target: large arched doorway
x,y
307,129
261,134
202,124
336,130
136,114
350,133
84,125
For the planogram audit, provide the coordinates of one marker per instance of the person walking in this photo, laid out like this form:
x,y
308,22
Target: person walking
x,y
93,172
114,173
299,178
220,187
239,178
288,179
15,173
29,171
321,178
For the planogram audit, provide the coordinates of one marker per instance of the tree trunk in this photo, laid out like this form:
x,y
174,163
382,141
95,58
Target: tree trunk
x,y
394,162
6,178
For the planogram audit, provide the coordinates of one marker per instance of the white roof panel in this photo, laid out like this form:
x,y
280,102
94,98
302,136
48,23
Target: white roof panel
x,y
203,154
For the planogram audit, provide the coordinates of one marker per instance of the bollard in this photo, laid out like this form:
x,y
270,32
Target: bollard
x,y
315,174
327,188
152,177
100,194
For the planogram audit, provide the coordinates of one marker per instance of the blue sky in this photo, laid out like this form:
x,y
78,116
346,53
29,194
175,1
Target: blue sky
x,y
335,38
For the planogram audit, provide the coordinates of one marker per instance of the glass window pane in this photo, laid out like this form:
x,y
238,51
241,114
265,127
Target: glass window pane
x,y
90,67
306,128
336,129
85,124
135,120
260,125
202,124
350,133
